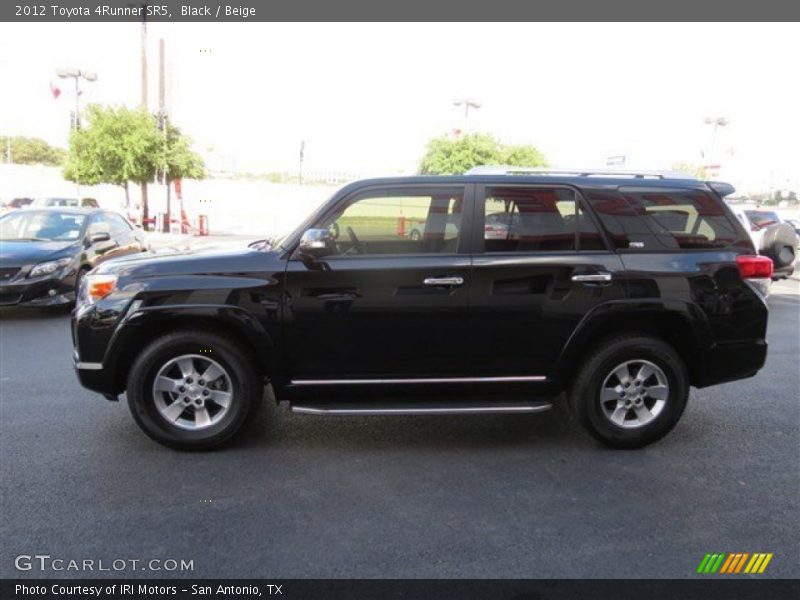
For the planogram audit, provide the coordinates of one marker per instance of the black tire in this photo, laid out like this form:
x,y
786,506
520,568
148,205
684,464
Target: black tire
x,y
779,243
585,392
246,389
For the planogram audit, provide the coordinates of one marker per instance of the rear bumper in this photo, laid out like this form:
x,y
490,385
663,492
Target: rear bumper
x,y
732,361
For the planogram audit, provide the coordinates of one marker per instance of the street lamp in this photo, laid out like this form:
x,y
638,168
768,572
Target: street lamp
x,y
717,122
467,104
77,75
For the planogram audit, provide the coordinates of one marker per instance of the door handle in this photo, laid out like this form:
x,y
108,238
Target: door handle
x,y
444,281
602,277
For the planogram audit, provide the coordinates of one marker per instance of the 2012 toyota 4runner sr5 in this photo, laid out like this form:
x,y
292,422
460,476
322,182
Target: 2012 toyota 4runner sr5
x,y
622,291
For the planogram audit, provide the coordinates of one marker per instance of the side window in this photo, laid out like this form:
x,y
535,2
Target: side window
x,y
537,220
401,221
663,220
685,219
117,224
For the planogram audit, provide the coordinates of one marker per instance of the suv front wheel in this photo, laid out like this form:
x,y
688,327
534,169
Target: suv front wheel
x,y
631,392
192,390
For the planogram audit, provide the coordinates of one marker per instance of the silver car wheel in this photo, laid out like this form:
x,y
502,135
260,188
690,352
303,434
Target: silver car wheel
x,y
634,393
192,392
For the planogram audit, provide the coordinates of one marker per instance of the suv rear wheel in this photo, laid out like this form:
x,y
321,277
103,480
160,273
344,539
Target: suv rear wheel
x,y
192,390
631,392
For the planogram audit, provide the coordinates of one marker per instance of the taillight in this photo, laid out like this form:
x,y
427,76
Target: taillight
x,y
754,267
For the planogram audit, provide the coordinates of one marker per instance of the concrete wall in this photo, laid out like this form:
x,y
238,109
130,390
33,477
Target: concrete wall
x,y
232,206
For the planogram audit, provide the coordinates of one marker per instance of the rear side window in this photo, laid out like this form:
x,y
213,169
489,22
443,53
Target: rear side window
x,y
520,219
664,219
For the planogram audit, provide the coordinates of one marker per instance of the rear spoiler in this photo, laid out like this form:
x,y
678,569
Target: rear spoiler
x,y
722,188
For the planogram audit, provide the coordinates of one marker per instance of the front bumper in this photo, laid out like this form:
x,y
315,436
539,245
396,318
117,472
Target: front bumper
x,y
51,291
93,377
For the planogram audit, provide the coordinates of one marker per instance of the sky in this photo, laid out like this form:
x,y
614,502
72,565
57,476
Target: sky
x,y
367,97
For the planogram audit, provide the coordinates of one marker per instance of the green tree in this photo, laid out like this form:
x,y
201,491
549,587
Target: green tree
x,y
31,151
177,155
694,169
453,156
120,146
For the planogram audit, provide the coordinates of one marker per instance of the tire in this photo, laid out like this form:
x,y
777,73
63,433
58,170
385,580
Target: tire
x,y
779,243
215,419
610,421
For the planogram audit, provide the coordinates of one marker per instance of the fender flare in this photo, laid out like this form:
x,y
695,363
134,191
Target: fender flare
x,y
672,314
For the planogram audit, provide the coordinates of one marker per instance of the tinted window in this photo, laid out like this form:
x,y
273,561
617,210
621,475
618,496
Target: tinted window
x,y
402,221
663,219
537,220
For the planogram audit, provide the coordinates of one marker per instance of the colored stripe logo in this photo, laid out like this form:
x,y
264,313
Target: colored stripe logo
x,y
735,562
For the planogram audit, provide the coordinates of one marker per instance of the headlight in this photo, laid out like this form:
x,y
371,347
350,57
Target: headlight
x,y
95,287
47,268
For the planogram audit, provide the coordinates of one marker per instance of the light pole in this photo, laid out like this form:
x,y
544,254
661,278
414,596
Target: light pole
x,y
77,75
717,122
467,104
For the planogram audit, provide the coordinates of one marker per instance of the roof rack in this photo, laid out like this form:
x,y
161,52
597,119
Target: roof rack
x,y
507,170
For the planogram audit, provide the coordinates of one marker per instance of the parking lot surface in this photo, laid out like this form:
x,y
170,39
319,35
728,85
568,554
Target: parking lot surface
x,y
417,497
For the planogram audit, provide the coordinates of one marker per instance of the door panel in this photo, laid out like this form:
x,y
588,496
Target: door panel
x,y
376,318
523,308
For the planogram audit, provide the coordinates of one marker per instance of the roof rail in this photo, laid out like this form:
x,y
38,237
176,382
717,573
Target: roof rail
x,y
507,170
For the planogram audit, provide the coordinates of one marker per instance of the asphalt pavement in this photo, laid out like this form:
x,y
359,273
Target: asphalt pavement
x,y
409,497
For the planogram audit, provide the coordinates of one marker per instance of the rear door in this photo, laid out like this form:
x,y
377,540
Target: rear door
x,y
540,265
384,305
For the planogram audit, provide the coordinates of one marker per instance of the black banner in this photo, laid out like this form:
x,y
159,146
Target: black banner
x,y
417,589
407,10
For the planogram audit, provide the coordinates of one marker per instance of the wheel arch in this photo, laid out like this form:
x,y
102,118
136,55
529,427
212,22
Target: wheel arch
x,y
147,325
682,325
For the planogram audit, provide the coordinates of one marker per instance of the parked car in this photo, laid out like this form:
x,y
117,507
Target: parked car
x,y
45,252
65,202
620,290
795,224
771,237
15,204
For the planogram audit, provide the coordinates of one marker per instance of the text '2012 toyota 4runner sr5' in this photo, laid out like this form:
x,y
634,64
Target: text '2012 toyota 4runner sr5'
x,y
622,290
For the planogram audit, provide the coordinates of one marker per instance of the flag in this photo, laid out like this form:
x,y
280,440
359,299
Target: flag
x,y
54,89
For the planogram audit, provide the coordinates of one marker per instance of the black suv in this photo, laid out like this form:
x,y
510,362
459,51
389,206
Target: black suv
x,y
621,290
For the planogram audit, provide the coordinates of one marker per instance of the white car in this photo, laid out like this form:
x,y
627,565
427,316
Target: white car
x,y
771,237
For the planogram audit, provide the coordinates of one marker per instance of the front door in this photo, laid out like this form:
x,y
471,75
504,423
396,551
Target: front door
x,y
389,300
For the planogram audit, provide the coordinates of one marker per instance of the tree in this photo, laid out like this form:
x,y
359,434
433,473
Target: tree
x,y
32,151
454,156
118,146
122,145
177,155
696,170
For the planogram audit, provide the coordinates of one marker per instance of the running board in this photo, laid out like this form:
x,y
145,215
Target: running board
x,y
417,408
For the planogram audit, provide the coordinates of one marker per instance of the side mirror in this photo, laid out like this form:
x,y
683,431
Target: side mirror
x,y
99,236
316,242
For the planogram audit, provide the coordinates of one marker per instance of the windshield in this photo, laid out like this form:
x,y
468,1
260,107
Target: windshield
x,y
41,225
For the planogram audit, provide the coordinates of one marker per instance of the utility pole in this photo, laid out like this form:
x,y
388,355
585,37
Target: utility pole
x,y
145,211
302,155
164,124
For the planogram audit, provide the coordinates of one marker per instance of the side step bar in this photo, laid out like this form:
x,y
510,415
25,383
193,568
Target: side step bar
x,y
417,408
